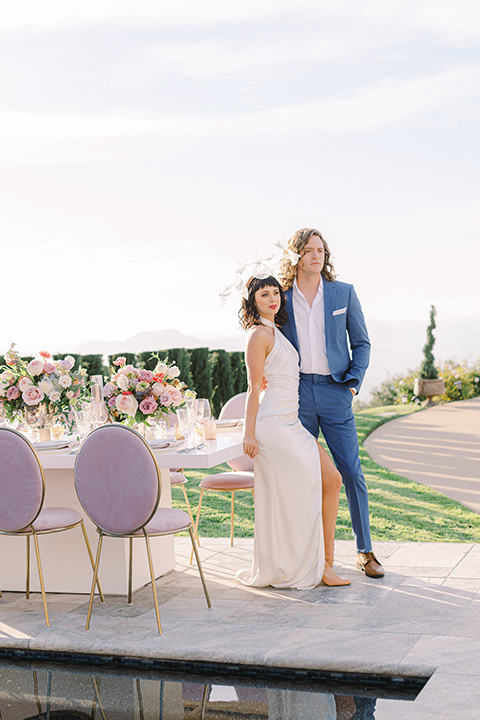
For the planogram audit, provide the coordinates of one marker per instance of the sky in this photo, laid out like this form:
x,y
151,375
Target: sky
x,y
147,147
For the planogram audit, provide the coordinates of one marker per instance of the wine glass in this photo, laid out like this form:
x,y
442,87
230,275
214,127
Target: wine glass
x,y
203,415
187,418
99,413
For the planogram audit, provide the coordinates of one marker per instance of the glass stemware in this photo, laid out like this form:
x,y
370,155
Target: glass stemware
x,y
187,418
203,416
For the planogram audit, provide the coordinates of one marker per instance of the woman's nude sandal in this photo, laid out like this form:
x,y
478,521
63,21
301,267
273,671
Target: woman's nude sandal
x,y
331,578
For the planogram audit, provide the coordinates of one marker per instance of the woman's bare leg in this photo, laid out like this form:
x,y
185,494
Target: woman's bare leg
x,y
331,484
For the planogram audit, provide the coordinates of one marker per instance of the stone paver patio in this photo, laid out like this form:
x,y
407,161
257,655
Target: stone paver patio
x,y
421,620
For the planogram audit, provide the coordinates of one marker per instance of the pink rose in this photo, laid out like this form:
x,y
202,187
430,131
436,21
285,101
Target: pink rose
x,y
112,402
148,405
32,395
67,363
48,368
126,370
108,389
146,375
13,392
126,404
165,399
175,394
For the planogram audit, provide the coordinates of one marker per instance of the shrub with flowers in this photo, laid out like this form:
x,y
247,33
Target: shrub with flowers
x,y
46,386
135,395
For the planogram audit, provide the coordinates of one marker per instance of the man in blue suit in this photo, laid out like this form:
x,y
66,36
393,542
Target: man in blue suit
x,y
327,327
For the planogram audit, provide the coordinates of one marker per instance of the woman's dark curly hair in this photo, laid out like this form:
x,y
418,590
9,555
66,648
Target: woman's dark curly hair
x,y
248,313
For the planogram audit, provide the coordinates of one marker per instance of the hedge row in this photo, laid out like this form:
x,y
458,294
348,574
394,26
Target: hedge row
x,y
213,374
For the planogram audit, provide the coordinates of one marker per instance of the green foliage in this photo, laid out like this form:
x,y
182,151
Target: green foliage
x,y
428,371
222,379
149,359
93,364
400,509
181,358
201,371
239,372
462,381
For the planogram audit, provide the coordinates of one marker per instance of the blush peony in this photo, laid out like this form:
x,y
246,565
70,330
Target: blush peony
x,y
35,367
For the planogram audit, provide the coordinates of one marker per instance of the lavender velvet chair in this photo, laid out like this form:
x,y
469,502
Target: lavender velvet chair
x,y
118,484
242,476
22,493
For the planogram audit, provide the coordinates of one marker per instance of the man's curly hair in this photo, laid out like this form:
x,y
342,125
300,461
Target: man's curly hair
x,y
297,242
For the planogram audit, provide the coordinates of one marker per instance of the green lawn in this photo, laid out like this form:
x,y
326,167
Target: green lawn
x,y
399,508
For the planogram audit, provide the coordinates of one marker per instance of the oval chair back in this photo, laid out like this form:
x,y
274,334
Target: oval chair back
x,y
22,485
234,409
117,479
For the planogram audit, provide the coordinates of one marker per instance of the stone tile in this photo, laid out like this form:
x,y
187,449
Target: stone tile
x,y
431,652
468,584
275,613
17,628
362,592
433,555
445,697
469,567
342,650
428,603
196,610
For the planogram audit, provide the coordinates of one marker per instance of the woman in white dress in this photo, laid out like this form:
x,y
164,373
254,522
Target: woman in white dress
x,y
289,546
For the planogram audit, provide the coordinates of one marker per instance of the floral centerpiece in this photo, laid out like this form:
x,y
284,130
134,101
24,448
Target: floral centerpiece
x,y
44,389
135,395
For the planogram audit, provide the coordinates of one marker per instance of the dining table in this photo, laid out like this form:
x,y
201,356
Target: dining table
x,y
65,563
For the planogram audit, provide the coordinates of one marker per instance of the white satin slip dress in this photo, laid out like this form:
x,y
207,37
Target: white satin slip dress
x,y
288,544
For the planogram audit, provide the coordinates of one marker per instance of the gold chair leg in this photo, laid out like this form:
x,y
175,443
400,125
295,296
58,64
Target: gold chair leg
x,y
97,697
200,569
197,520
130,570
92,563
189,510
206,693
27,581
1,594
140,701
94,581
232,516
35,690
152,575
40,576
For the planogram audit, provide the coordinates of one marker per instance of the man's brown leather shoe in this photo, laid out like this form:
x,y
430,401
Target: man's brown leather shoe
x,y
370,565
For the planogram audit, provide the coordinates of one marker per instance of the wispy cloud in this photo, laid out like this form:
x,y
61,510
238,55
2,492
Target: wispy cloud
x,y
389,102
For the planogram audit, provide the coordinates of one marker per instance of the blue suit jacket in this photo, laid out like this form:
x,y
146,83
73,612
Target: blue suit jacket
x,y
348,344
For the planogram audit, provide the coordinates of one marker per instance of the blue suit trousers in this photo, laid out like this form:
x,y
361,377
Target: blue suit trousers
x,y
326,404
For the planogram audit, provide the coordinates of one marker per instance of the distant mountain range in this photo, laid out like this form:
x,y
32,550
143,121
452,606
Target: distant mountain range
x,y
397,347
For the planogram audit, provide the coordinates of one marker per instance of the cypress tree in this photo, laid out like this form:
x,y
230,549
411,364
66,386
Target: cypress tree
x,y
428,371
222,380
239,372
93,364
201,371
181,358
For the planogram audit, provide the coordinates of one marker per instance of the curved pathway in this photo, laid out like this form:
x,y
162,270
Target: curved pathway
x,y
438,447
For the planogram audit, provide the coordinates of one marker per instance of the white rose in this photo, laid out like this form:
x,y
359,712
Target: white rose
x,y
35,367
69,394
126,404
6,375
161,368
24,382
54,396
173,372
65,381
157,389
45,385
123,382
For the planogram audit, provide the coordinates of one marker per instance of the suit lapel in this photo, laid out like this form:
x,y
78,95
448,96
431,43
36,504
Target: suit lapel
x,y
291,316
329,291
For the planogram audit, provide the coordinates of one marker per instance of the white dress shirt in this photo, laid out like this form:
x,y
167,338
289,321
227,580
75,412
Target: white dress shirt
x,y
310,322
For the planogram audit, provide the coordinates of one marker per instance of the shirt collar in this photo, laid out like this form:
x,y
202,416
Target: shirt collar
x,y
298,292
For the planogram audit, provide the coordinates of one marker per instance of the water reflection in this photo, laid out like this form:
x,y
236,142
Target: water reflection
x,y
33,693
